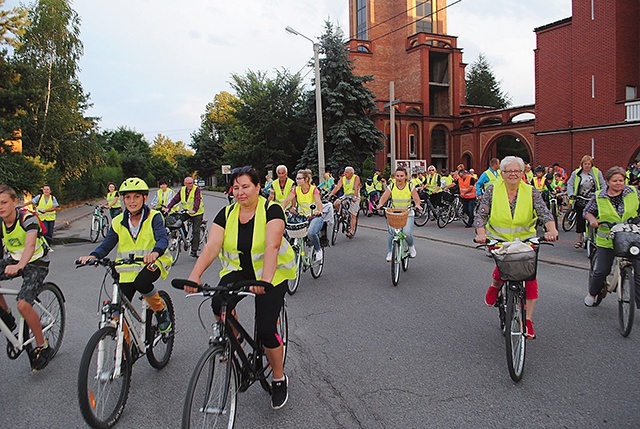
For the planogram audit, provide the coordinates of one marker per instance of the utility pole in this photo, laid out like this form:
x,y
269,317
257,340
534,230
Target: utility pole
x,y
392,125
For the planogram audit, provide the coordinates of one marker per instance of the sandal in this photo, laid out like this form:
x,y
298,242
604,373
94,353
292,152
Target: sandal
x,y
578,245
349,234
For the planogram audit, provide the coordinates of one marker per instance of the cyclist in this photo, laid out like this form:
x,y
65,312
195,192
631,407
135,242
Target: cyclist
x,y
466,183
27,250
615,204
248,236
46,206
139,230
163,195
328,183
491,175
303,196
190,197
585,181
371,195
113,201
281,188
508,211
350,185
528,174
541,183
433,185
401,193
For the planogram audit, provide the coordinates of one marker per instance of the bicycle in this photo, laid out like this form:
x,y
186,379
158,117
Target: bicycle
x,y
553,207
515,269
452,209
368,203
99,222
297,228
180,233
49,304
225,368
569,218
104,376
343,218
429,211
397,219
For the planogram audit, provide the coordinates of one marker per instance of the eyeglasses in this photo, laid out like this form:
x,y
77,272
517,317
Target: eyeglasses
x,y
512,172
299,178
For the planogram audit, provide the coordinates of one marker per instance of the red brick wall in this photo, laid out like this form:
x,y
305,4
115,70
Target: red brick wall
x,y
628,46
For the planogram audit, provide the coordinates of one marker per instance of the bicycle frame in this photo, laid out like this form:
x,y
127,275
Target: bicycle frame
x,y
18,341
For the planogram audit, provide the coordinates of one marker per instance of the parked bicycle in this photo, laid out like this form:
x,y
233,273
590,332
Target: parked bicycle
x,y
428,212
99,222
297,228
515,269
397,219
49,305
569,219
452,209
124,335
226,368
180,233
342,218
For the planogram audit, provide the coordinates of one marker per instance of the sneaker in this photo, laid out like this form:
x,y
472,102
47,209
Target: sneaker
x,y
389,255
412,251
530,334
164,321
590,301
194,255
279,394
491,296
40,357
319,255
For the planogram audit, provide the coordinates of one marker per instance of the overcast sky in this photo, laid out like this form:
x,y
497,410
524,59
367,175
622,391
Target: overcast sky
x,y
153,65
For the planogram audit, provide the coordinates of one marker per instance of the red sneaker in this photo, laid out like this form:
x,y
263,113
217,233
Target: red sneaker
x,y
530,334
491,296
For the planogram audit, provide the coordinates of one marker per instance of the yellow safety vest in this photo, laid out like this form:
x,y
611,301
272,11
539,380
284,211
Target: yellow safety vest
x,y
529,175
281,194
111,197
596,179
230,255
163,199
607,213
187,201
348,185
305,200
539,183
433,182
45,205
522,224
16,240
401,198
139,246
377,183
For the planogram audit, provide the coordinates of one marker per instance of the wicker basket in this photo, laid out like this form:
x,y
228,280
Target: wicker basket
x,y
297,230
397,218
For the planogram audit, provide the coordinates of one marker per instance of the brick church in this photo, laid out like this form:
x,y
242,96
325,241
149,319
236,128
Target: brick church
x,y
587,71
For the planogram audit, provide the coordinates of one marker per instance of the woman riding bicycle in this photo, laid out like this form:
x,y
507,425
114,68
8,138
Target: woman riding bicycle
x,y
508,211
303,196
615,204
401,193
248,235
585,181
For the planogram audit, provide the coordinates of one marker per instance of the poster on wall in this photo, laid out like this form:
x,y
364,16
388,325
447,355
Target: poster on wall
x,y
412,165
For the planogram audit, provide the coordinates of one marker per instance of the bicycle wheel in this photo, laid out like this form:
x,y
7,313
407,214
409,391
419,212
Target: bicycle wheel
x,y
95,230
569,220
554,212
49,305
405,256
174,246
444,216
626,300
336,230
395,262
316,266
292,285
211,398
204,235
502,310
160,346
102,393
105,227
421,218
514,338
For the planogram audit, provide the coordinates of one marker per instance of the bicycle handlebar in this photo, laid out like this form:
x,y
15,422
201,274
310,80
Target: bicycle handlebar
x,y
234,287
536,241
106,262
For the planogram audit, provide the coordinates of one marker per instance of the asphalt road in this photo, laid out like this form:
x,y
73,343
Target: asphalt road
x,y
365,354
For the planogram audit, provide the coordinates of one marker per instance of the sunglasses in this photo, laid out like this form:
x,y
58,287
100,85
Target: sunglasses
x,y
245,169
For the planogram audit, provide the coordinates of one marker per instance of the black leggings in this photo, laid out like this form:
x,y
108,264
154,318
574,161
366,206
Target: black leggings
x,y
143,283
267,309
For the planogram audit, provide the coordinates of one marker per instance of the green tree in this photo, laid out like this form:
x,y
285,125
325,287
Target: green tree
x,y
12,24
165,148
483,89
350,134
133,150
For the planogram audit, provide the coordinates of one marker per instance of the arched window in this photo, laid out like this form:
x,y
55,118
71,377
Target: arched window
x,y
413,141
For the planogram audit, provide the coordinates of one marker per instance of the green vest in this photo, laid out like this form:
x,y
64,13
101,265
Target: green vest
x,y
139,246
163,199
111,197
522,224
348,186
607,213
16,240
281,194
596,179
230,255
401,198
305,200
187,201
45,205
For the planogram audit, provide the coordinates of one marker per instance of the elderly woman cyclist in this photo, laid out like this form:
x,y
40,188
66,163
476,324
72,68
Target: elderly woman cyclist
x,y
615,204
304,196
248,237
585,181
401,193
508,211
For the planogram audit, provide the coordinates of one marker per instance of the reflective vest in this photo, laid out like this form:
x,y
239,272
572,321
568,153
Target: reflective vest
x,y
377,183
433,182
45,205
280,194
401,198
305,200
529,176
230,255
448,180
111,197
540,183
188,201
16,240
348,185
141,245
608,213
502,224
596,179
369,188
493,177
416,182
467,190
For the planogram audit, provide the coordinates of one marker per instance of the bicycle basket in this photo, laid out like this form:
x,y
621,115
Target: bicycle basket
x,y
516,263
397,218
297,230
173,221
626,240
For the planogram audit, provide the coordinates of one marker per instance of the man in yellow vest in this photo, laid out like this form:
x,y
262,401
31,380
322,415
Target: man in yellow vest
x,y
281,188
489,177
46,206
350,185
191,200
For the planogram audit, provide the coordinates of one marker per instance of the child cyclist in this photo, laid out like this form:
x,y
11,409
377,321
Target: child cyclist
x,y
139,230
22,237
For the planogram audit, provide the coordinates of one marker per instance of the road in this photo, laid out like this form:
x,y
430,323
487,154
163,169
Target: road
x,y
365,354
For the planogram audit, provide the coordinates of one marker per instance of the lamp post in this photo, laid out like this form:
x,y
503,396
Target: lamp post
x,y
319,128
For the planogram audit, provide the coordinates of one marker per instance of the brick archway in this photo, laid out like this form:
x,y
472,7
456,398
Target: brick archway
x,y
491,148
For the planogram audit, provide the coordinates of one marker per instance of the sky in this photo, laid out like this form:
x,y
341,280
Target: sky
x,y
153,65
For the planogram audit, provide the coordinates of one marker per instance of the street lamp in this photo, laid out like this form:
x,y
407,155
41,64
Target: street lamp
x,y
319,128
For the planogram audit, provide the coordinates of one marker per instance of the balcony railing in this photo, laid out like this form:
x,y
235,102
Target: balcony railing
x,y
633,111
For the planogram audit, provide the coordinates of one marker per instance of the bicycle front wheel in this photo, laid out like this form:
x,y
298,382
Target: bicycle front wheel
x,y
569,220
94,233
405,256
335,230
395,262
626,300
514,338
102,392
211,399
174,246
316,266
160,346
421,218
292,285
444,215
49,305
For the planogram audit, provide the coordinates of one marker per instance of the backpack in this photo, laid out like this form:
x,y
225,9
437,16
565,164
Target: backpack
x,y
22,216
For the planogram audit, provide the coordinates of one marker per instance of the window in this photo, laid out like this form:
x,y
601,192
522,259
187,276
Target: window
x,y
438,142
631,93
423,10
361,19
412,145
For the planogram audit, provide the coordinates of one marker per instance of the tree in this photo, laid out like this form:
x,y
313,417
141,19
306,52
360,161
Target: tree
x,y
12,23
165,148
133,149
350,134
482,87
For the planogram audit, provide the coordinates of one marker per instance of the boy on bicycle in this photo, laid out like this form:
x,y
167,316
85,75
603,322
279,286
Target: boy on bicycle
x,y
22,237
139,230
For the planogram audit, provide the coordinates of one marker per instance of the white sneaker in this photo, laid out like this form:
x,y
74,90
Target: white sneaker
x,y
412,251
389,257
319,255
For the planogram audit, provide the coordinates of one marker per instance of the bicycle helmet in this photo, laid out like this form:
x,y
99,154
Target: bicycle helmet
x,y
134,184
539,168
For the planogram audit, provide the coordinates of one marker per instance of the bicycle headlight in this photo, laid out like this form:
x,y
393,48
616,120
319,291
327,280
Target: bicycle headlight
x,y
634,250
